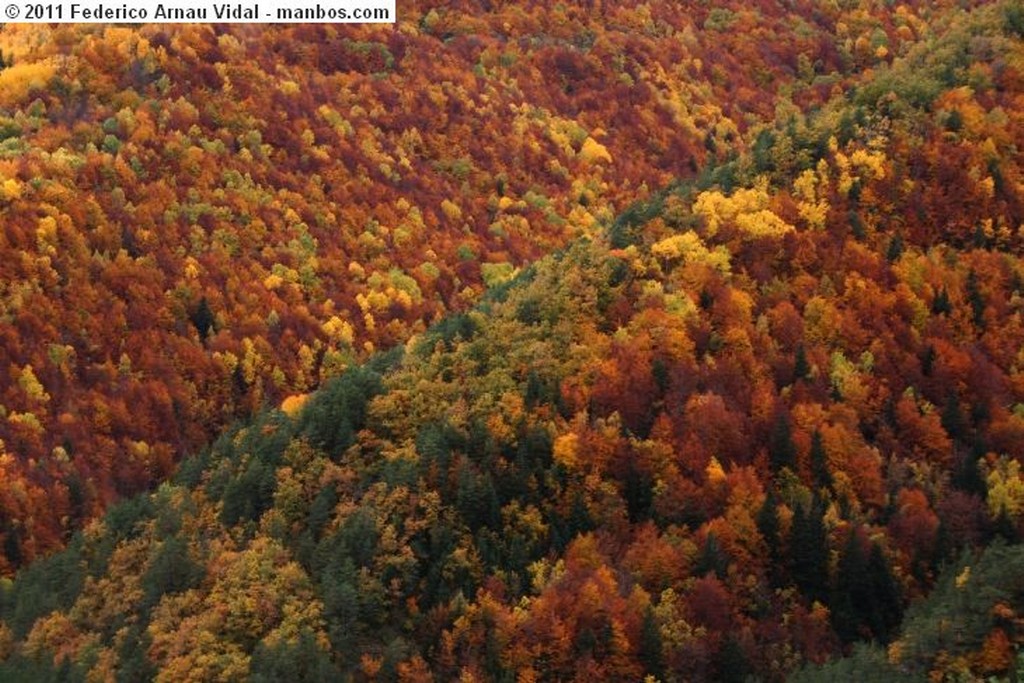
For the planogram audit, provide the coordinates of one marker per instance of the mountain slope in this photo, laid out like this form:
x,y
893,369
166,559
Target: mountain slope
x,y
200,221
738,434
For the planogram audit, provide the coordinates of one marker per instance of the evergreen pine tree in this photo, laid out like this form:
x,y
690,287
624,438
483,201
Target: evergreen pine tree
x,y
941,304
1004,528
850,589
651,648
781,449
733,663
927,360
203,320
967,475
303,661
856,224
895,248
976,299
952,418
801,368
711,559
768,526
809,552
819,462
886,608
132,662
865,597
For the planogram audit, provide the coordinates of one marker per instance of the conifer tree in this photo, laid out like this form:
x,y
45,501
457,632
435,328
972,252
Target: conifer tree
x,y
781,449
809,552
819,462
768,526
801,368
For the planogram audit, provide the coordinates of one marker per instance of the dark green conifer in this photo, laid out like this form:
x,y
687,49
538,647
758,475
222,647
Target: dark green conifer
x,y
819,462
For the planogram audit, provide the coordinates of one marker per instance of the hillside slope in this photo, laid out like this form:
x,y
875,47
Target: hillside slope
x,y
737,434
203,220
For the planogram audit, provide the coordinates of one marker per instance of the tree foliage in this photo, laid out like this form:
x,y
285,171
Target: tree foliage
x,y
728,435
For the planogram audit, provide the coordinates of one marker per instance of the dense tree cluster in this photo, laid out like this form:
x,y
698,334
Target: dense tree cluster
x,y
203,220
750,426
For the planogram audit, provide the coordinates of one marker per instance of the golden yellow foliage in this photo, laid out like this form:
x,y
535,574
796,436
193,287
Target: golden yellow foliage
x,y
339,330
747,208
763,223
593,151
963,577
813,208
689,247
714,471
451,209
11,189
273,281
1005,488
871,163
18,80
46,235
191,269
566,450
31,385
291,405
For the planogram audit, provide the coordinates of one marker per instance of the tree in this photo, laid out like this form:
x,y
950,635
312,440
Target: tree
x,y
886,607
809,551
302,660
733,663
976,299
651,649
172,570
941,304
768,526
712,559
801,368
781,449
202,319
851,589
865,598
133,663
895,249
952,418
820,471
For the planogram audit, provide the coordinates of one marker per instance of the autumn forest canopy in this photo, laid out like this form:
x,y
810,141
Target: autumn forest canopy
x,y
517,341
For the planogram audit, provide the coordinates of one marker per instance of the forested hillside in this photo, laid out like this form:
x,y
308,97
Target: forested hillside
x,y
767,415
200,221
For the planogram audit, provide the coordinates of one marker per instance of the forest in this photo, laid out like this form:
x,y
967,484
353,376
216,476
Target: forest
x,y
516,342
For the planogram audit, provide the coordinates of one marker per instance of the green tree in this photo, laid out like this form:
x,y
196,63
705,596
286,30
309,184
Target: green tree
x,y
952,419
651,647
895,249
733,663
171,570
302,661
941,304
801,368
203,319
852,587
976,299
712,559
865,597
768,526
781,449
819,462
133,662
809,551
